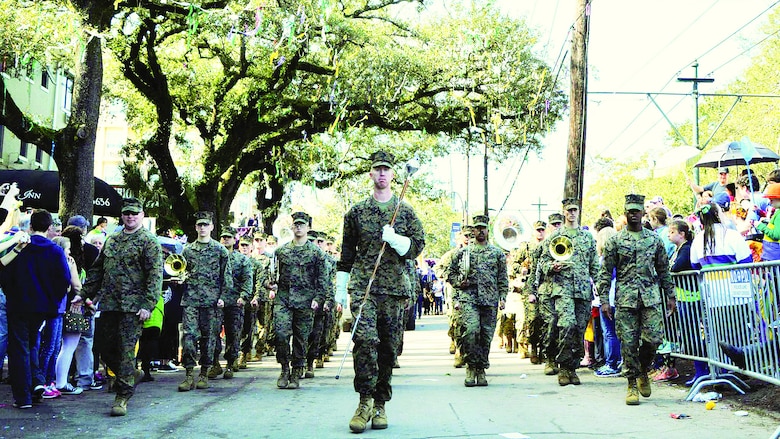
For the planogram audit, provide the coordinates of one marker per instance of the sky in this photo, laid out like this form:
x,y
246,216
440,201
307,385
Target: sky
x,y
633,47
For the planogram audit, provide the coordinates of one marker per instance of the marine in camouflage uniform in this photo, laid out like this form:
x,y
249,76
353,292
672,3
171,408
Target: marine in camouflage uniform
x,y
209,277
235,298
366,226
442,272
531,331
303,287
249,328
322,317
572,292
482,289
332,333
540,286
639,259
127,280
263,333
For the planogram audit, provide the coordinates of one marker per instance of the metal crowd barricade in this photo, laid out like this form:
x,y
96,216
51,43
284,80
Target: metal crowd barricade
x,y
735,305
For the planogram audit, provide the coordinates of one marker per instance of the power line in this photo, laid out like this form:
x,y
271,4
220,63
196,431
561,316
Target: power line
x,y
744,51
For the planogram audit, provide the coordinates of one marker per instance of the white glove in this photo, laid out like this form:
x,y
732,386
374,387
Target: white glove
x,y
342,278
400,244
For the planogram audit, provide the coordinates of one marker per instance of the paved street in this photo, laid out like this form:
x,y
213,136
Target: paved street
x,y
429,401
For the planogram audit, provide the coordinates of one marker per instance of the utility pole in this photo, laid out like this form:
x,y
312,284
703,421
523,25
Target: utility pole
x,y
539,205
575,161
696,80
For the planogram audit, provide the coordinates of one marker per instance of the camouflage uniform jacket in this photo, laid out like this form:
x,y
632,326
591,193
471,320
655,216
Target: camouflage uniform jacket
x,y
209,274
362,241
443,267
486,282
303,276
262,274
574,280
242,268
518,259
127,276
535,278
642,267
330,263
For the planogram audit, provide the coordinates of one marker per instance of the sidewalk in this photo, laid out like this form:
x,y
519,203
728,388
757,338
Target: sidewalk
x,y
429,401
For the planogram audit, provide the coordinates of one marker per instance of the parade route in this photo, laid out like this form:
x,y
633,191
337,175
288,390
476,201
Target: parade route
x,y
429,401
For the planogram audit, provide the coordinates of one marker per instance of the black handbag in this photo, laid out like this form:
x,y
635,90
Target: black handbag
x,y
75,322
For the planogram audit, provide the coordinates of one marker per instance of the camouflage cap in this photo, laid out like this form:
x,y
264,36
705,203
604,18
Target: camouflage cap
x,y
259,236
381,158
312,235
228,231
570,203
481,220
540,225
203,217
555,218
635,201
131,204
245,240
301,218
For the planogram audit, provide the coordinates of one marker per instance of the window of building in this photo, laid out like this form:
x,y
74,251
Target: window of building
x,y
68,93
45,80
2,139
38,155
23,149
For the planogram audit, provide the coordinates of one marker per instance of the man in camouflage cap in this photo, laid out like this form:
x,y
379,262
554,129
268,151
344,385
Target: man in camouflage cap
x,y
323,318
262,306
442,272
539,287
235,298
299,288
521,268
366,226
641,286
127,280
481,290
570,298
209,277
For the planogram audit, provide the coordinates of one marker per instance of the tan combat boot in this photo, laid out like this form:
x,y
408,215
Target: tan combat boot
x,y
189,381
481,378
632,394
452,347
228,373
379,418
643,383
458,360
215,371
573,378
522,348
203,379
120,406
242,361
284,377
309,371
235,365
564,377
550,369
320,363
362,415
471,379
295,378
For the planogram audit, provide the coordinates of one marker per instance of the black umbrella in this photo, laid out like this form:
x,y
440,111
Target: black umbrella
x,y
735,153
41,190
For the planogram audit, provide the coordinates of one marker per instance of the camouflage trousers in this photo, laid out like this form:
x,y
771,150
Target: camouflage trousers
x,y
334,329
266,336
507,328
479,325
249,329
295,324
640,332
316,337
232,318
198,334
376,340
531,334
455,330
116,334
566,329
